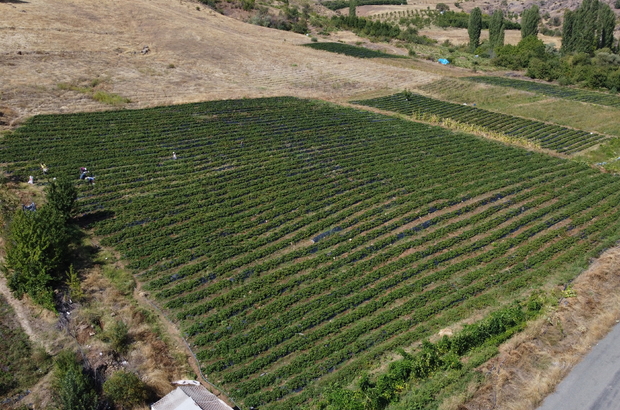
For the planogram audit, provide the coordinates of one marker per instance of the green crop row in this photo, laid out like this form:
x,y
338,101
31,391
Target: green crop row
x,y
554,137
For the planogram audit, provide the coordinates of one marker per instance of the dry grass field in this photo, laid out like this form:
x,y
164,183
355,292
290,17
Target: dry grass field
x,y
194,55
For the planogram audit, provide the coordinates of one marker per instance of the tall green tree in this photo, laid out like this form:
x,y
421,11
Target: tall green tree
x,y
496,29
569,36
62,195
606,26
37,247
588,28
529,22
474,28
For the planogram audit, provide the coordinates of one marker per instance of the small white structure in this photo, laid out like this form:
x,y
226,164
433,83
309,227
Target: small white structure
x,y
190,395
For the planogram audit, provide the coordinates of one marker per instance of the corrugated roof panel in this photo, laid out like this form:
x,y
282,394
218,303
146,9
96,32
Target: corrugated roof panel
x,y
190,398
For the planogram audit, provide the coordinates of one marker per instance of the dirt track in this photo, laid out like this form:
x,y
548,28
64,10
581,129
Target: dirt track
x,y
195,55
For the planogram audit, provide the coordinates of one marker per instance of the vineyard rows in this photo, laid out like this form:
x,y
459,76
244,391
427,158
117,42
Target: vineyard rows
x,y
349,50
563,140
296,242
592,97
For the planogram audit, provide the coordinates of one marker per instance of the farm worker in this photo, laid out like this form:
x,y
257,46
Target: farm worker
x,y
91,180
174,155
83,174
44,168
31,180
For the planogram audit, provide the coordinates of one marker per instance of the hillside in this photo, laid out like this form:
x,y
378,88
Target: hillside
x,y
195,55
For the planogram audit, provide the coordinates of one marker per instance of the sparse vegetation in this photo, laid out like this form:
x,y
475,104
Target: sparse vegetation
x,y
21,364
93,89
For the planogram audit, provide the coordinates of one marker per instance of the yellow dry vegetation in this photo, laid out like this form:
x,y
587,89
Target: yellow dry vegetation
x,y
194,55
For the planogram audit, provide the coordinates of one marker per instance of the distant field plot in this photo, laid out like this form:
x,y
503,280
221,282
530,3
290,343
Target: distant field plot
x,y
561,139
340,4
353,51
611,100
296,242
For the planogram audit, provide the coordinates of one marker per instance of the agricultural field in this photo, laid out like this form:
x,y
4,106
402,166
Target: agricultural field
x,y
349,50
296,243
341,4
563,140
592,97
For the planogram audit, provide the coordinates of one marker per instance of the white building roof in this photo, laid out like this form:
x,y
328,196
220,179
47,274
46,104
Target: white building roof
x,y
190,397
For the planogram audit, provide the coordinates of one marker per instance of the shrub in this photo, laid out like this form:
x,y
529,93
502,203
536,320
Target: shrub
x,y
125,389
73,389
118,337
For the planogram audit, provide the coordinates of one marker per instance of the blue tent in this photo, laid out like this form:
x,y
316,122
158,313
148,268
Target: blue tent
x,y
443,61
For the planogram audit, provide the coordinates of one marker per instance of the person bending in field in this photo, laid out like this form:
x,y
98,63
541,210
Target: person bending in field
x,y
44,169
174,155
83,173
90,180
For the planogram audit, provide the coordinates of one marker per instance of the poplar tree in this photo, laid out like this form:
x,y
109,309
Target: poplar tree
x,y
606,25
529,22
588,28
568,32
352,7
474,28
496,29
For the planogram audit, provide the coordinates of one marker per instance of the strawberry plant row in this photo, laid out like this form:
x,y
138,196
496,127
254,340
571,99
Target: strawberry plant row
x,y
425,224
561,139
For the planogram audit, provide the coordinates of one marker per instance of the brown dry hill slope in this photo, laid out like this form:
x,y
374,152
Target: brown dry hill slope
x,y
195,55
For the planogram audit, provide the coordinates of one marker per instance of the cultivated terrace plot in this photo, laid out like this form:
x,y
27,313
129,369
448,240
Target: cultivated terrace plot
x,y
296,242
563,140
593,97
353,51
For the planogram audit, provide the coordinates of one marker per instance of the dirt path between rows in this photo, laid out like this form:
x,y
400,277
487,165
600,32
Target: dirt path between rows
x,y
22,315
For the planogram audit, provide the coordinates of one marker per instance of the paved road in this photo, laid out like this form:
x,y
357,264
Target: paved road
x,y
594,383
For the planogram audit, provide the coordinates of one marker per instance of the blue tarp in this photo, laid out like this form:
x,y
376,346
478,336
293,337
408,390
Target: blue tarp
x,y
443,61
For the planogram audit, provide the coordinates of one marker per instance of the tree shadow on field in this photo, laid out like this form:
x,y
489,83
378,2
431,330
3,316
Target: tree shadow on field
x,y
85,220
